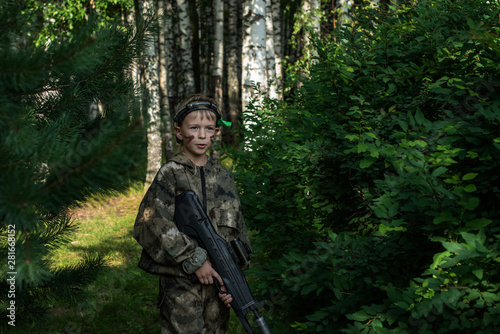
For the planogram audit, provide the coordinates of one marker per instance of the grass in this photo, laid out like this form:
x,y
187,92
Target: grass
x,y
123,298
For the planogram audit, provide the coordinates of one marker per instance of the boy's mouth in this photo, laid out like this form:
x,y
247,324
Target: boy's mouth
x,y
201,146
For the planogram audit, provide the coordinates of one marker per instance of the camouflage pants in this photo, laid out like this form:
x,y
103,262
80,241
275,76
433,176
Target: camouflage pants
x,y
188,307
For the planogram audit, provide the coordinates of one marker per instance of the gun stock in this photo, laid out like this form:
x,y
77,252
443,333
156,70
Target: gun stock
x,y
192,220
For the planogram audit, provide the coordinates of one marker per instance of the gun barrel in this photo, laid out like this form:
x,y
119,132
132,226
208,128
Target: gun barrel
x,y
261,323
192,220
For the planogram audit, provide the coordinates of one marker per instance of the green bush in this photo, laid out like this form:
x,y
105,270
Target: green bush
x,y
372,192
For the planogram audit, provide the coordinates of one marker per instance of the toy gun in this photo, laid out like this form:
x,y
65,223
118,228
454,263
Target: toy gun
x,y
192,220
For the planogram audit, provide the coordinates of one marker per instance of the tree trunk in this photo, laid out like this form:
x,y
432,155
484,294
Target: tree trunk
x,y
218,63
270,54
166,121
172,29
311,24
277,20
254,50
233,113
345,7
152,101
187,71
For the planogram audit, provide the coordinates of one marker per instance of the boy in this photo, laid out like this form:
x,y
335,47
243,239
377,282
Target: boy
x,y
189,305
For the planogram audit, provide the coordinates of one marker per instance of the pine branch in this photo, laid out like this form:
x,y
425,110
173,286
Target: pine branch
x,y
141,32
94,160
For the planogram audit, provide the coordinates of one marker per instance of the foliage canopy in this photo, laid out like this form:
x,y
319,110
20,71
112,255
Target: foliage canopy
x,y
373,194
69,127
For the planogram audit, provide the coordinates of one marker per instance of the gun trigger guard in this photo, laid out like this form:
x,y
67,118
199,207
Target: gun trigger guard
x,y
216,282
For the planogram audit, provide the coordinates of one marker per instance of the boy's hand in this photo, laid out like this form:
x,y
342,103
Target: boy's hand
x,y
225,297
206,274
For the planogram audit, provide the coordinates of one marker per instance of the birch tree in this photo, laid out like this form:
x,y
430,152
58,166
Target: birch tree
x,y
217,72
270,53
151,97
254,49
233,55
164,10
172,31
277,20
311,15
344,14
187,71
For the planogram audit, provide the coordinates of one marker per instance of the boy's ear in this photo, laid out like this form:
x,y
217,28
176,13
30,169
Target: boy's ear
x,y
177,130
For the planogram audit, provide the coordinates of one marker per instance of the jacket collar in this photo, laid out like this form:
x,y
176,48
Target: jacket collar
x,y
183,160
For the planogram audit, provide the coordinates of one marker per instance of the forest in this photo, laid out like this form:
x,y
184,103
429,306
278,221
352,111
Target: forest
x,y
363,136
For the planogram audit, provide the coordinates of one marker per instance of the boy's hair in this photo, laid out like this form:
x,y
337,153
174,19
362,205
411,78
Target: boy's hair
x,y
197,102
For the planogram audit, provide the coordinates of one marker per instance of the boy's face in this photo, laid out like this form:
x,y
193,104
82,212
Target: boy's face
x,y
197,132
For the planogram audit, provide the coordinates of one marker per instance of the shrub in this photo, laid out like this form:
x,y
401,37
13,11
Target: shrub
x,y
372,193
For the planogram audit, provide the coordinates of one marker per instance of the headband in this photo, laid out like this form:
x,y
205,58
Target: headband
x,y
181,114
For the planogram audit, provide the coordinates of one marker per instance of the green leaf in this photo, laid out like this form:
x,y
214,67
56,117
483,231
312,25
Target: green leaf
x,y
359,316
362,147
439,171
420,143
478,223
454,247
420,118
472,203
374,152
438,259
318,315
450,297
469,176
470,188
367,162
478,272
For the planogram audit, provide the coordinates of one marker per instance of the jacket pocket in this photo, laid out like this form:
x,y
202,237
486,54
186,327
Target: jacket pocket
x,y
225,223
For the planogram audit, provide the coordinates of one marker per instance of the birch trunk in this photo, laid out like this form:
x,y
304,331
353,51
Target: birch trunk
x,y
311,12
254,49
187,71
233,70
277,19
166,122
345,7
270,53
151,100
207,33
171,27
218,62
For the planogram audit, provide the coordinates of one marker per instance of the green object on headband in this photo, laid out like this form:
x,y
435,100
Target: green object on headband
x,y
226,123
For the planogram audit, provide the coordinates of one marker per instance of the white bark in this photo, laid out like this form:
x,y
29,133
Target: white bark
x,y
270,54
171,33
311,12
218,63
166,122
152,101
345,6
254,49
217,71
277,17
233,48
185,46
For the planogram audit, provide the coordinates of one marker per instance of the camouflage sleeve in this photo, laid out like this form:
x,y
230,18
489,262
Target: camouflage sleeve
x,y
156,231
240,221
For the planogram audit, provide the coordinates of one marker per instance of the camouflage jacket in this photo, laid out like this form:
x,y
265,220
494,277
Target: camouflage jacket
x,y
166,250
